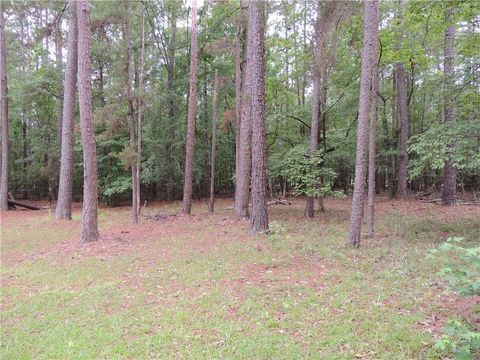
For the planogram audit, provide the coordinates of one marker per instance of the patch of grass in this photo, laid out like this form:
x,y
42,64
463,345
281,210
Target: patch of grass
x,y
209,291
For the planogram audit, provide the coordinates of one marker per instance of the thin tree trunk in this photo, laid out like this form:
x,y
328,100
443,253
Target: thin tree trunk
x,y
90,191
59,68
131,110
211,204
304,82
372,135
316,99
328,16
256,23
370,36
64,203
393,140
450,172
204,185
45,59
4,112
404,123
192,101
386,144
239,60
140,116
171,106
403,159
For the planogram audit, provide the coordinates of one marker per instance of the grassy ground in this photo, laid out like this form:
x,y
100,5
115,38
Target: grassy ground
x,y
199,287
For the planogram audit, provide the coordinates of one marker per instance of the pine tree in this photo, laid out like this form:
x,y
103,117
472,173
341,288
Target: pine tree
x,y
64,203
4,112
192,103
370,36
256,23
90,191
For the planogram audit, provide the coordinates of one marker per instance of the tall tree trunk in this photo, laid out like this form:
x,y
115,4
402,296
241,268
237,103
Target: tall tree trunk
x,y
4,112
370,37
140,103
239,61
404,122
244,159
205,183
386,144
256,24
316,99
304,33
129,72
90,191
211,203
403,106
64,203
450,172
372,135
328,16
171,106
192,102
393,139
59,69
24,121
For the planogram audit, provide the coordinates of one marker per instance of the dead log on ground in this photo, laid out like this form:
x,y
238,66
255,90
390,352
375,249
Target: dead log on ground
x,y
24,205
279,202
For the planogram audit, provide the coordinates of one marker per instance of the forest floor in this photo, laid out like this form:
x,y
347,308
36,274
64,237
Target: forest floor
x,y
199,287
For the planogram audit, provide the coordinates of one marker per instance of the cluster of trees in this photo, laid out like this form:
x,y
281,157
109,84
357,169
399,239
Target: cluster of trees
x,y
245,97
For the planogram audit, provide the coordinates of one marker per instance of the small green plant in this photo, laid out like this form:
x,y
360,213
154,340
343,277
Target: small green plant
x,y
461,266
461,270
459,339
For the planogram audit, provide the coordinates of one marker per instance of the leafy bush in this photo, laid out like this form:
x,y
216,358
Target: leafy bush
x,y
459,339
461,270
305,172
461,266
431,149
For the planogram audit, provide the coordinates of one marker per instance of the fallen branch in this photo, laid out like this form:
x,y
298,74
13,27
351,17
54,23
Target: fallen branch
x,y
279,202
24,205
271,202
158,217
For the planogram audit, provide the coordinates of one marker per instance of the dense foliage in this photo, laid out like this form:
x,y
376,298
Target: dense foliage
x,y
35,81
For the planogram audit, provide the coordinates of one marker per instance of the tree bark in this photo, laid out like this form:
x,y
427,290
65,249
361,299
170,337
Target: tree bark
x,y
372,135
239,61
140,103
131,109
328,16
370,36
393,138
4,112
171,106
316,98
256,23
450,172
90,191
403,106
211,203
192,102
244,159
404,122
59,69
64,203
